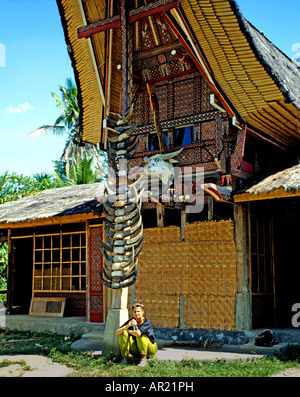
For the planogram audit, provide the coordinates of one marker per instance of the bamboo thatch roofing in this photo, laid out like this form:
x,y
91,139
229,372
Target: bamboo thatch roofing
x,y
288,179
71,200
282,184
255,77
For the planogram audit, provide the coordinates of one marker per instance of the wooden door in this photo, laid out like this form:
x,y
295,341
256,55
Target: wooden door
x,y
262,267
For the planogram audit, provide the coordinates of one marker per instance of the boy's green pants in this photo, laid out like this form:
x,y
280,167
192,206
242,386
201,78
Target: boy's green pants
x,y
137,346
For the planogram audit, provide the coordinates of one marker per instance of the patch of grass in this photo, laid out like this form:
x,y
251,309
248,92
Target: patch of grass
x,y
58,349
85,365
6,363
27,342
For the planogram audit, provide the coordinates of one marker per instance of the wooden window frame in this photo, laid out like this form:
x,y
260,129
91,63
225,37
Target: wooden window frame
x,y
52,257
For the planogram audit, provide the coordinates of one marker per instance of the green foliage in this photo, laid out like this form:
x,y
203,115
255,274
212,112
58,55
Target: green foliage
x,y
84,364
68,105
3,178
35,342
3,265
7,363
80,173
17,186
68,123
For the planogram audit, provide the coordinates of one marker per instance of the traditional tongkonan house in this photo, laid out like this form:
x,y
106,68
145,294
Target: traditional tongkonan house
x,y
204,80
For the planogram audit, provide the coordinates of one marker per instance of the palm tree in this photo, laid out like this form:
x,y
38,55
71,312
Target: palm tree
x,y
68,123
3,178
81,173
44,181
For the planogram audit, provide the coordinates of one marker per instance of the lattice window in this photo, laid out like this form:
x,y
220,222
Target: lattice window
x,y
60,262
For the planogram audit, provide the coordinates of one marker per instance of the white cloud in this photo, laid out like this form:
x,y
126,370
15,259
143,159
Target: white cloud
x,y
22,108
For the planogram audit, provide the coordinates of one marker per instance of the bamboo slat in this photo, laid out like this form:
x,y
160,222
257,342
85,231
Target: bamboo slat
x,y
202,269
216,36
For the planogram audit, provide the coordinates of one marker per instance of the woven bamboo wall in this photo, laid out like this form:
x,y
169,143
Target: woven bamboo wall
x,y
202,269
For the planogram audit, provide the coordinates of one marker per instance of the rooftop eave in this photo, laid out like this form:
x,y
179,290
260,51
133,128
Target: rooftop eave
x,y
54,220
276,194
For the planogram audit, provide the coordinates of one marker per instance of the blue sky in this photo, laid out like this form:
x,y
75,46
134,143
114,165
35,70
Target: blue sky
x,y
36,62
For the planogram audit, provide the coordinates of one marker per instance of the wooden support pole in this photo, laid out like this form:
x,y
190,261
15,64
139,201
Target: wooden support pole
x,y
124,52
118,313
156,117
9,274
182,224
160,216
116,316
87,272
244,295
210,203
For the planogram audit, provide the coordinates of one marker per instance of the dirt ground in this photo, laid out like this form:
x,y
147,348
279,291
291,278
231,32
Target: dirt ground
x,y
32,366
289,373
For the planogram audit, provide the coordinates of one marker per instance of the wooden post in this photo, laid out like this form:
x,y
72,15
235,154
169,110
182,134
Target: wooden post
x,y
118,313
210,203
244,294
9,274
160,215
116,316
182,225
87,272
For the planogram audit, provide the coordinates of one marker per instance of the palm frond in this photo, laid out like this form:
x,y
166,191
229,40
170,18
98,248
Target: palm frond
x,y
49,129
3,178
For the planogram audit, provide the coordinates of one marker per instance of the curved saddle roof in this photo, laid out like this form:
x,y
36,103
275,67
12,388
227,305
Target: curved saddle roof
x,y
259,82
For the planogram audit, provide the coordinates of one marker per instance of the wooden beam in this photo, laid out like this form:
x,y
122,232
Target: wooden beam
x,y
152,9
134,15
182,224
100,26
171,76
279,193
50,221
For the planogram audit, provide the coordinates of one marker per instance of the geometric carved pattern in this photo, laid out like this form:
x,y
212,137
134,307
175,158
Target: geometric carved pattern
x,y
96,303
95,259
96,289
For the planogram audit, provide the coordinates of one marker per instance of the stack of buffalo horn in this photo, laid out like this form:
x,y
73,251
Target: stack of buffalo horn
x,y
123,228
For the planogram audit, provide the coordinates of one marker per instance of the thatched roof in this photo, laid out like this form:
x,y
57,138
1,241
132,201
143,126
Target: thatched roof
x,y
289,180
284,72
256,79
282,184
59,202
